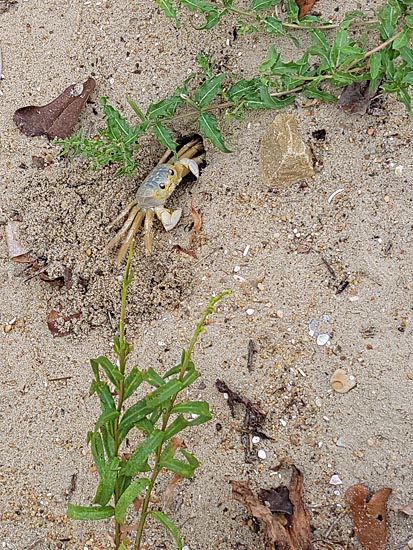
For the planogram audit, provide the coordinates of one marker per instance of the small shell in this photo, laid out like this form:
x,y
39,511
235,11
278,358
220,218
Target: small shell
x,y
342,382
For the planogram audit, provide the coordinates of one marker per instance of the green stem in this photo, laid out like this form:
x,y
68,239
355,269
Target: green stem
x,y
167,414
122,357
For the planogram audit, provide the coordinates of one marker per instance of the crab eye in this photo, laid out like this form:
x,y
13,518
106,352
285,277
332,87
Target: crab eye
x,y
171,172
162,186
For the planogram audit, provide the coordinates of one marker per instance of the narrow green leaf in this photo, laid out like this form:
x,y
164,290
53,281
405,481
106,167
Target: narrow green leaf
x,y
105,395
375,64
166,108
98,453
209,90
135,108
138,461
147,405
108,440
403,39
169,525
212,17
179,424
153,378
388,17
260,5
208,127
106,418
404,97
168,9
201,408
133,381
111,371
128,496
89,513
107,482
178,467
340,42
164,136
320,40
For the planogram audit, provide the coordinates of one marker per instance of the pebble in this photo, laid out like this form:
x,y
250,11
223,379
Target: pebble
x,y
335,480
256,439
410,544
250,311
262,454
323,339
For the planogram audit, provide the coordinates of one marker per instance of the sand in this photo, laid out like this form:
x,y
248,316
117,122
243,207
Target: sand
x,y
269,246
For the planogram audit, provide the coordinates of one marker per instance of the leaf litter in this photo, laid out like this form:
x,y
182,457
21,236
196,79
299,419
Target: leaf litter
x,y
58,118
369,516
17,251
286,521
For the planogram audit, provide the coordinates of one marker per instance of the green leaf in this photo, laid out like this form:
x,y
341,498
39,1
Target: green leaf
x,y
242,88
408,78
135,108
200,408
336,52
208,127
153,378
168,9
404,97
107,482
164,136
273,26
105,395
166,108
409,21
312,92
133,381
108,440
128,496
375,64
212,17
403,39
147,405
89,513
138,461
407,55
98,452
209,90
111,371
169,525
260,5
388,17
184,469
106,418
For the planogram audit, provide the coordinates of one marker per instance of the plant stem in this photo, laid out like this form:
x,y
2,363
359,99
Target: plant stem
x,y
167,414
122,358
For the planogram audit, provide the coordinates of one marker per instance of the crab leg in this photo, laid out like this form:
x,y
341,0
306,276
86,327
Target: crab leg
x,y
122,214
123,229
131,234
148,230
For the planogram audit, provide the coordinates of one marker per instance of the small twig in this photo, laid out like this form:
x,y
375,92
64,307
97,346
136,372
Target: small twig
x,y
251,351
329,267
34,544
1,65
335,522
60,378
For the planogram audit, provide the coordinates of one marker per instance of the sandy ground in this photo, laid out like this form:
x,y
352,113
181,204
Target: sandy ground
x,y
365,234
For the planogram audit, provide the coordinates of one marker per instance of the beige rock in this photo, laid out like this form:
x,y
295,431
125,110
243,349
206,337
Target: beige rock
x,y
342,382
285,157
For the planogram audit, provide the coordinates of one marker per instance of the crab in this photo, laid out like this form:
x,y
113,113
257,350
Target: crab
x,y
152,195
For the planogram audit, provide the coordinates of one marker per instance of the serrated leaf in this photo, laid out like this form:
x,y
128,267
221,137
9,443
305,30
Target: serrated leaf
x,y
375,64
164,136
168,9
208,127
128,496
168,524
209,90
111,371
242,88
166,108
260,5
138,461
107,482
89,513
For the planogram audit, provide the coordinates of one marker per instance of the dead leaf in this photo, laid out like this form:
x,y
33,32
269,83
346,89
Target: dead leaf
x,y
196,216
408,510
17,251
369,518
65,280
177,443
278,499
183,250
57,118
59,323
356,97
304,6
282,531
169,493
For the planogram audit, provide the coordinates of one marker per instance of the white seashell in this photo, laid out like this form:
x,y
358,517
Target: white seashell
x,y
335,480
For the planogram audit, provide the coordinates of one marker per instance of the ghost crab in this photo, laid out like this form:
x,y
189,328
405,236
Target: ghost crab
x,y
152,195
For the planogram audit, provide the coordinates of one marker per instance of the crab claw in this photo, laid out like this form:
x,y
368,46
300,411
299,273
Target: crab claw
x,y
191,165
169,221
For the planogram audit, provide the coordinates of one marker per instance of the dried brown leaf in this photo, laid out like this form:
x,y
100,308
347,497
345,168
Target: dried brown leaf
x,y
408,509
369,517
57,118
183,250
168,495
59,324
278,499
356,97
177,443
18,252
196,216
281,530
304,6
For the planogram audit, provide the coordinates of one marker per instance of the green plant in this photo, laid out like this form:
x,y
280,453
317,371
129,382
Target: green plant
x,y
156,415
335,59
